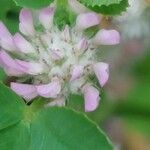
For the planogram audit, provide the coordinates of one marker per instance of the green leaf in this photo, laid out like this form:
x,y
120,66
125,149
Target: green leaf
x,y
16,137
107,7
102,113
99,2
35,127
11,107
113,9
63,14
33,4
134,108
141,66
64,129
138,123
137,100
9,14
2,75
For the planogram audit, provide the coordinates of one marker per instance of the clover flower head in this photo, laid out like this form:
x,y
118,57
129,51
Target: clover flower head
x,y
53,63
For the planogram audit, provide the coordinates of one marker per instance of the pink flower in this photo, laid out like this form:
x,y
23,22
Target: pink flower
x,y
107,37
22,44
66,34
25,90
52,62
50,90
82,45
6,40
102,72
31,68
46,17
76,72
77,7
26,22
10,65
91,97
87,20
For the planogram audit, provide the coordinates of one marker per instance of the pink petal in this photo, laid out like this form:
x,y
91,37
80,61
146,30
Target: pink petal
x,y
107,37
76,72
66,34
87,20
4,31
56,54
7,61
27,91
6,40
30,67
50,90
9,65
45,39
22,44
82,45
13,72
1,62
46,17
91,97
77,7
26,22
102,72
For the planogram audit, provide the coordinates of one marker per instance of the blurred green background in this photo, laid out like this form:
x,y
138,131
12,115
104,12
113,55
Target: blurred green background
x,y
124,112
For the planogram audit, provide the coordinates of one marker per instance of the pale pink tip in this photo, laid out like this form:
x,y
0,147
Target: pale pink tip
x,y
30,67
66,34
77,7
26,22
56,54
4,33
10,65
22,44
46,17
102,72
27,91
107,37
50,90
82,45
87,20
76,72
6,40
91,97
13,72
45,39
1,63
57,102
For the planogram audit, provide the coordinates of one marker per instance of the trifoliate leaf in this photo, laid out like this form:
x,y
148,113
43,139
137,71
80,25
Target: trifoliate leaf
x,y
109,7
99,2
34,127
33,3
